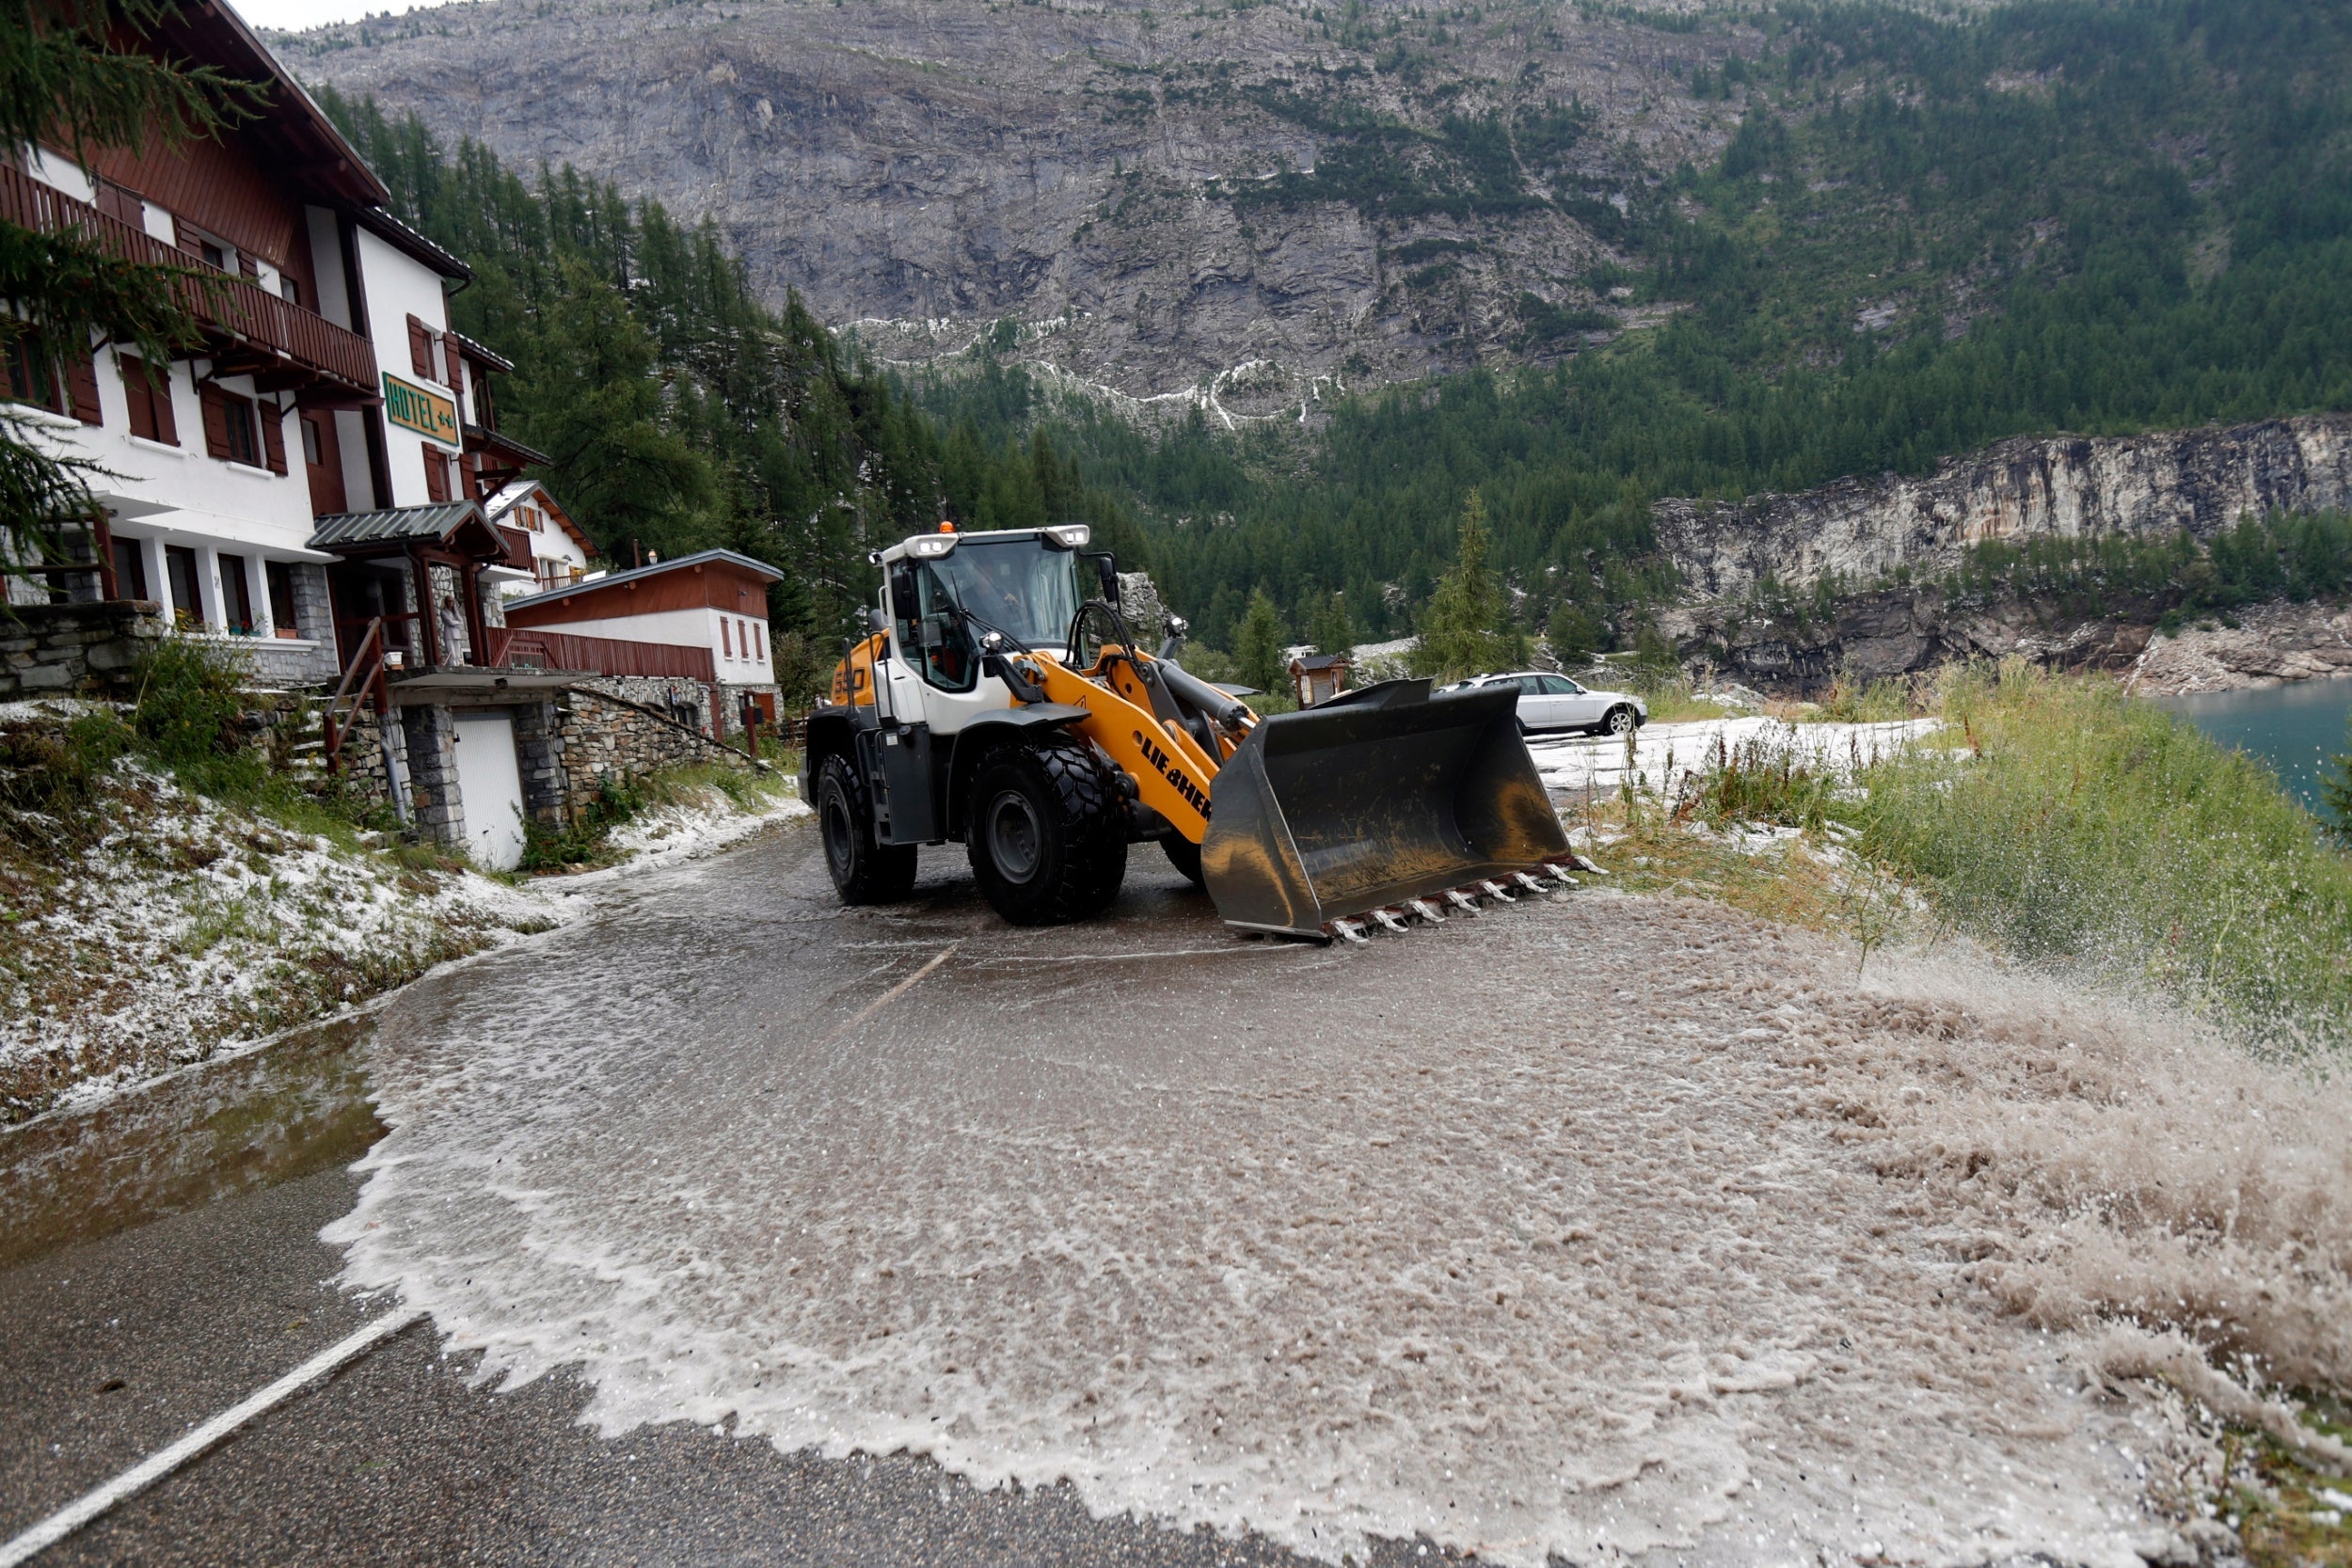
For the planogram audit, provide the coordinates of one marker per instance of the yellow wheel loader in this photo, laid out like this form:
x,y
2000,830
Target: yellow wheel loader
x,y
999,700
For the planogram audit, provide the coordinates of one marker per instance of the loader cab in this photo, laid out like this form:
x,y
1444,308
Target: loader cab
x,y
1027,583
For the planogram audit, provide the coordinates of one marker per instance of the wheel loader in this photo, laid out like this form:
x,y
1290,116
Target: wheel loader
x,y
999,700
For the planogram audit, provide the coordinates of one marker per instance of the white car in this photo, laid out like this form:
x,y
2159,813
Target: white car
x,y
1556,702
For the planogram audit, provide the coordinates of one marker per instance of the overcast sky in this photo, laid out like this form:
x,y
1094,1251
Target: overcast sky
x,y
293,15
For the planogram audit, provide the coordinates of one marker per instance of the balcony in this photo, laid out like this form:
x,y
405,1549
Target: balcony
x,y
247,330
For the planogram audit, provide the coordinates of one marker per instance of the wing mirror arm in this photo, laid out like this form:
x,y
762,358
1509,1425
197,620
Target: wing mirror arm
x,y
1173,643
993,659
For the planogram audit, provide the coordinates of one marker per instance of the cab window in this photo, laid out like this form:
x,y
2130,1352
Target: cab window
x,y
931,633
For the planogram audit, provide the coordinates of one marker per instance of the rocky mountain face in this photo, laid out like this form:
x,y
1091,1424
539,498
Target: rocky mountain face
x,y
1240,207
1861,531
1848,544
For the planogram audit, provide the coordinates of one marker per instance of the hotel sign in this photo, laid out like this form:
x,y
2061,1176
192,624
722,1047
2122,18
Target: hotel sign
x,y
428,414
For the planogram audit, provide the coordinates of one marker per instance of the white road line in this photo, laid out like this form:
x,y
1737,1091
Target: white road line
x,y
884,1000
155,1466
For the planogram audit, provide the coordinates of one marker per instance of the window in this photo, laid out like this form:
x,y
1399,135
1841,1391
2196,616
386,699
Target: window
x,y
930,632
28,377
436,475
1560,686
213,254
311,446
187,605
230,431
279,577
727,641
292,290
130,569
150,397
236,594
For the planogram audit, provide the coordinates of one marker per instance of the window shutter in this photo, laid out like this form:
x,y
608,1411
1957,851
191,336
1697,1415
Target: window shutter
x,y
436,477
274,437
215,423
420,349
166,422
116,202
726,637
139,394
190,241
457,363
81,389
248,266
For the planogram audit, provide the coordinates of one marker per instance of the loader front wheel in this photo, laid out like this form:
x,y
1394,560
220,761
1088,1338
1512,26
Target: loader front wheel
x,y
1185,855
863,871
1047,835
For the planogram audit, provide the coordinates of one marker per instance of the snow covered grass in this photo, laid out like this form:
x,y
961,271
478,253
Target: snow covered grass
x,y
168,926
155,916
673,814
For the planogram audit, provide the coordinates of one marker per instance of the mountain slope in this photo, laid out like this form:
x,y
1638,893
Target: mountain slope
x,y
1164,196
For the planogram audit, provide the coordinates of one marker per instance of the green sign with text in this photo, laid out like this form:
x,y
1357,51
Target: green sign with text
x,y
428,414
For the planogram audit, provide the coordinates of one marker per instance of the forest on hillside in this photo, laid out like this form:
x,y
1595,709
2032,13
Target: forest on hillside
x,y
1930,233
681,412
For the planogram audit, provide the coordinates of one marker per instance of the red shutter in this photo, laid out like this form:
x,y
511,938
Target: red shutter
x,y
215,421
190,241
116,202
436,478
166,425
139,394
420,349
274,437
81,389
457,363
248,266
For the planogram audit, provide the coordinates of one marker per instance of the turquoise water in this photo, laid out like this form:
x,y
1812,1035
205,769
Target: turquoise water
x,y
2294,728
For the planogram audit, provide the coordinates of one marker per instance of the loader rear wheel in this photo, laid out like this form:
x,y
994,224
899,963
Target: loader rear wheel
x,y
1185,855
1047,835
863,871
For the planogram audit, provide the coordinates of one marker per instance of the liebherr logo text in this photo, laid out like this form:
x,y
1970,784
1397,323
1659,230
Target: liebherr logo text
x,y
1175,776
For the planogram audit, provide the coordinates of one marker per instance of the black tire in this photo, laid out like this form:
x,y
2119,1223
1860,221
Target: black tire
x,y
1185,855
863,871
1620,719
1047,831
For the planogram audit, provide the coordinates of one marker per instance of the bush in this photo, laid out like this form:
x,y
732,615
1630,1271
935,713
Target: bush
x,y
2084,827
1761,780
189,718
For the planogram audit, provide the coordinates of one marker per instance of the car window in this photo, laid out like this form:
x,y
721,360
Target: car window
x,y
1560,686
1528,685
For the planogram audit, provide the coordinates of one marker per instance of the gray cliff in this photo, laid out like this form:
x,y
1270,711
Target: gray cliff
x,y
1134,188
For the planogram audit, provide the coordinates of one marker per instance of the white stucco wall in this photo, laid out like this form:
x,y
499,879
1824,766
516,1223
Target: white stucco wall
x,y
396,288
695,628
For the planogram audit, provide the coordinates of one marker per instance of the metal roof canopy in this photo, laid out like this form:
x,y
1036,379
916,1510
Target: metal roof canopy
x,y
354,533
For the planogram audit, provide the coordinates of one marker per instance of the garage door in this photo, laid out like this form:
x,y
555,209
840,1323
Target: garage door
x,y
491,786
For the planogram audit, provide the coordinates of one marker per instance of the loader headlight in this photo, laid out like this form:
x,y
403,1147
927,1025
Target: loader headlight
x,y
1070,537
931,546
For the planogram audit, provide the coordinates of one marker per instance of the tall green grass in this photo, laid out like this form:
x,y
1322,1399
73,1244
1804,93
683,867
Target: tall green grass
x,y
2077,826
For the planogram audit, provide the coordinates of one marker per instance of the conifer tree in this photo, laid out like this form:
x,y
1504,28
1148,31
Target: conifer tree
x,y
1258,645
1334,630
1466,628
72,78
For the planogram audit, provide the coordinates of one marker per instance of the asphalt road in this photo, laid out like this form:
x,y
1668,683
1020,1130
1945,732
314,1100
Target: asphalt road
x,y
213,1282
1548,1231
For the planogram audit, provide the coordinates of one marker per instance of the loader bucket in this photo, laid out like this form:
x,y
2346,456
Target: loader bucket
x,y
1371,799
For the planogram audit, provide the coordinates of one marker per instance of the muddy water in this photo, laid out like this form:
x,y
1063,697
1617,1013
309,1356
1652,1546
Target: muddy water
x,y
1593,1226
299,1105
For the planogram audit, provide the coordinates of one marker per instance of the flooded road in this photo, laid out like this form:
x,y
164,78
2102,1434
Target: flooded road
x,y
1593,1228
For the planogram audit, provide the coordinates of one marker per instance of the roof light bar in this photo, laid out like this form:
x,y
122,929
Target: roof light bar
x,y
1070,537
931,546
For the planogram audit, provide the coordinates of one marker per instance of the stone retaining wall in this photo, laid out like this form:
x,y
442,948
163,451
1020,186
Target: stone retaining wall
x,y
600,735
69,650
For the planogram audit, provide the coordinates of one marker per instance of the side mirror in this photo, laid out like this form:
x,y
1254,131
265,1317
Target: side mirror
x,y
877,622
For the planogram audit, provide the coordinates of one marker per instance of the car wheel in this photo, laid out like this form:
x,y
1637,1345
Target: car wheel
x,y
1047,833
1620,719
863,871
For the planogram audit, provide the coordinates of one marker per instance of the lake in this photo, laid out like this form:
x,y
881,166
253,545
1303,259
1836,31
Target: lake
x,y
2294,728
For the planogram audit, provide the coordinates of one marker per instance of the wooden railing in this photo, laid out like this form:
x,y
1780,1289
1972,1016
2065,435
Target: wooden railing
x,y
239,308
363,682
605,656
